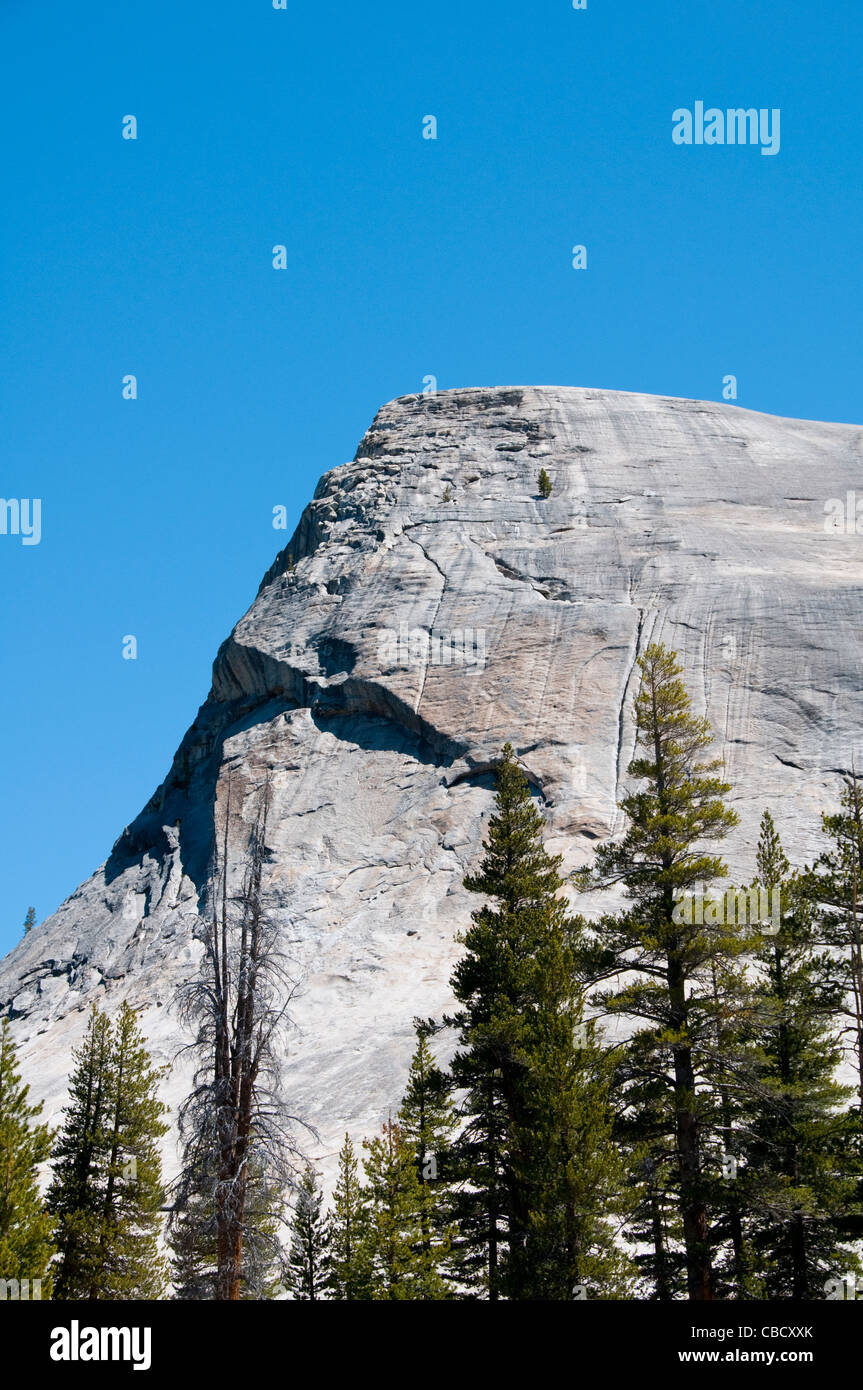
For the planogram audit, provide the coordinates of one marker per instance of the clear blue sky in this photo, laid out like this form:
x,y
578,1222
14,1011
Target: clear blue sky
x,y
406,257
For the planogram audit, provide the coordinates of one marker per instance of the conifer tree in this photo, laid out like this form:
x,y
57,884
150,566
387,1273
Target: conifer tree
x,y
566,1169
307,1266
487,984
26,1247
265,1262
192,1243
545,484
427,1123
835,886
78,1160
350,1277
131,1220
734,1006
535,1159
653,1228
106,1193
800,1142
29,920
236,1131
661,963
193,1240
402,1267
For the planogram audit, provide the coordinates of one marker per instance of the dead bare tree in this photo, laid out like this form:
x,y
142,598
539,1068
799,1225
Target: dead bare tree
x,y
238,1137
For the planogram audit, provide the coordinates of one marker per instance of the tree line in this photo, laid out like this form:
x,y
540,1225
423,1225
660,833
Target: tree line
x,y
643,1104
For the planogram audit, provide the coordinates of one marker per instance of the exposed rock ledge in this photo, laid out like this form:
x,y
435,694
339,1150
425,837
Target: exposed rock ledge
x,y
696,523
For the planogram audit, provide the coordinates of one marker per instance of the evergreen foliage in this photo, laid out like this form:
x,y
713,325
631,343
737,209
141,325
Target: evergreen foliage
x,y
106,1192
403,1265
662,965
537,1169
835,887
800,1139
26,1247
350,1275
427,1123
308,1263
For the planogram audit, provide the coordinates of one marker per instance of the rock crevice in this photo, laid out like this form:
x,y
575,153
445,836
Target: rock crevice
x,y
693,522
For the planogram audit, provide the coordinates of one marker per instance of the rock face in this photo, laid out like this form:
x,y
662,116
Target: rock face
x,y
429,607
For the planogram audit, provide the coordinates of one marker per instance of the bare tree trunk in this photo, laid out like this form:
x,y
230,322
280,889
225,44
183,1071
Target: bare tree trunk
x,y
238,1004
699,1275
663,1290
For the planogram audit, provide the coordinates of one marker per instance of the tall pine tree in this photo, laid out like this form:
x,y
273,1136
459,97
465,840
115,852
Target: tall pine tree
x,y
427,1122
565,1165
106,1192
835,886
308,1263
402,1266
535,1160
800,1141
348,1225
26,1247
661,964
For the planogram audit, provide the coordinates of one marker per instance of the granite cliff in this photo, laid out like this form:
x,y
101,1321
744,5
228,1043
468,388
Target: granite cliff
x,y
430,606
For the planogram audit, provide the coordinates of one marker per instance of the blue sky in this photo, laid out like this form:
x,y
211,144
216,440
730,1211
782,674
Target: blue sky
x,y
406,257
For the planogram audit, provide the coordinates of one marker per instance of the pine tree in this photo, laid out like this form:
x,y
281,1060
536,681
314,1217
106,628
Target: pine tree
x,y
544,484
427,1122
733,1007
29,920
835,886
661,962
564,1159
192,1243
106,1193
799,1150
350,1276
489,985
134,1195
307,1266
402,1267
237,1149
78,1160
653,1228
25,1227
265,1263
538,1171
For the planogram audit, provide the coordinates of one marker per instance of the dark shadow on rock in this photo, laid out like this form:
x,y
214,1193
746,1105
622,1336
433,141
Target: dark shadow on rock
x,y
375,733
354,710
